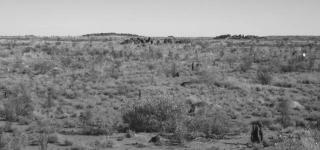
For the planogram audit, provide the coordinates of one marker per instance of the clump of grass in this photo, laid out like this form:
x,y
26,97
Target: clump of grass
x,y
171,70
4,140
212,124
210,77
66,142
264,75
302,140
298,64
17,141
107,143
41,66
98,124
246,63
7,127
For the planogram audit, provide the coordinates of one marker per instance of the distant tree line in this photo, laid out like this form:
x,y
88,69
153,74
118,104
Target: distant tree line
x,y
240,36
110,34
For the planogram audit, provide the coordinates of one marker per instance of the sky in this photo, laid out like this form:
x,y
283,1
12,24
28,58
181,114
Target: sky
x,y
194,18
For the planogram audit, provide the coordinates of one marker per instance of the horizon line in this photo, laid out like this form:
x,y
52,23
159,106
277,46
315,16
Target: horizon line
x,y
134,34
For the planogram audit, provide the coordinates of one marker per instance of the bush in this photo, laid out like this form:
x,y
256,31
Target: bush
x,y
53,138
20,104
100,124
246,63
211,124
264,75
104,145
301,140
160,114
17,141
7,127
42,66
66,142
171,71
210,77
296,64
4,141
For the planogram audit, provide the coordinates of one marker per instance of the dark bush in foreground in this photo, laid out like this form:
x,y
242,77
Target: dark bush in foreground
x,y
160,114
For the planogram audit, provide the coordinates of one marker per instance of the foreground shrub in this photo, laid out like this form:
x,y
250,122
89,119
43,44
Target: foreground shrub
x,y
4,141
99,124
17,141
159,114
212,124
108,143
19,104
301,140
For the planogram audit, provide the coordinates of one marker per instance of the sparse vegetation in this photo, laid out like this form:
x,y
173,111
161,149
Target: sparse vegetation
x,y
153,115
131,88
264,75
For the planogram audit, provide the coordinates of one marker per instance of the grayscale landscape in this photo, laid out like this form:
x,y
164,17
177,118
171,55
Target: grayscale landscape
x,y
159,75
119,91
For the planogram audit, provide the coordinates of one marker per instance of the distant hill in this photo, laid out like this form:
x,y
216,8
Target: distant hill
x,y
110,34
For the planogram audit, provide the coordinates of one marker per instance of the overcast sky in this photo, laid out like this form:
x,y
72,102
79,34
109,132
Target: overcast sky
x,y
160,17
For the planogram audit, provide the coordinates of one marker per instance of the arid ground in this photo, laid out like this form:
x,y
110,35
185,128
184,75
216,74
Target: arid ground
x,y
120,91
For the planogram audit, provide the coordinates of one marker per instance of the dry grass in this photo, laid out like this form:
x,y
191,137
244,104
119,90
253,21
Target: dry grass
x,y
96,86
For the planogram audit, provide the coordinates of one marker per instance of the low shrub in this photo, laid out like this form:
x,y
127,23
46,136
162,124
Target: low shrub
x,y
53,138
297,64
302,140
19,104
4,141
41,66
7,127
171,70
66,142
246,63
100,124
213,124
159,114
17,141
263,75
104,145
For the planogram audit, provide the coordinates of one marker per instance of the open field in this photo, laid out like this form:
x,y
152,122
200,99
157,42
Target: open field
x,y
117,92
